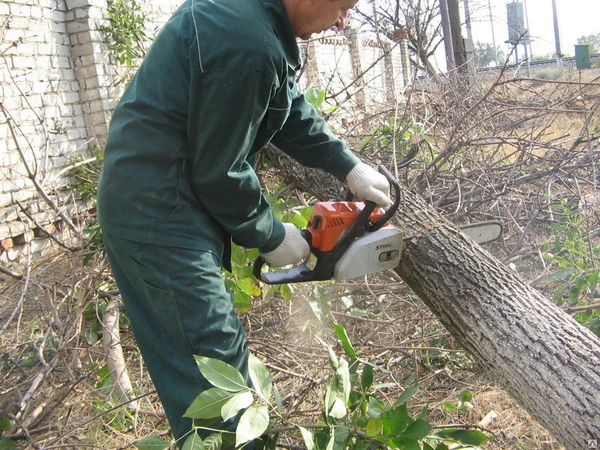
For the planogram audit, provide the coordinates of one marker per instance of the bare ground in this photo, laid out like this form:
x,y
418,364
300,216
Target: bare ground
x,y
51,362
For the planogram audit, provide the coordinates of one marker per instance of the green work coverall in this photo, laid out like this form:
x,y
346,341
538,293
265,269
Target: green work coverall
x,y
216,86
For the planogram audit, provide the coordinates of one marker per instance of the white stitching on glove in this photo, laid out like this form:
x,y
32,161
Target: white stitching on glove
x,y
292,249
369,185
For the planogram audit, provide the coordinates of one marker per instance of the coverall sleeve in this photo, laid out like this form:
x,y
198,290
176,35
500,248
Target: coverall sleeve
x,y
307,138
226,109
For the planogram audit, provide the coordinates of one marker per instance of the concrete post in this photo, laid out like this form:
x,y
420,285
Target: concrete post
x,y
355,52
93,69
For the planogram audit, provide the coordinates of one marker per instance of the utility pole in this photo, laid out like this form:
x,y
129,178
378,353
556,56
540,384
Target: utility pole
x,y
556,35
468,20
458,44
447,33
493,35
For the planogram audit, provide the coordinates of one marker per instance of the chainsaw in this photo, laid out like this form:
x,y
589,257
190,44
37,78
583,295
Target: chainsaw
x,y
351,239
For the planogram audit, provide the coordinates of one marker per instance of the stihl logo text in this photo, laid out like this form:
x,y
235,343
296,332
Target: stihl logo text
x,y
382,246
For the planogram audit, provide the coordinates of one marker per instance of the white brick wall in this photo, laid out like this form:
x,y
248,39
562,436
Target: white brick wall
x,y
58,90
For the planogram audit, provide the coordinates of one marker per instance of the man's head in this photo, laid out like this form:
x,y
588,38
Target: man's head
x,y
314,16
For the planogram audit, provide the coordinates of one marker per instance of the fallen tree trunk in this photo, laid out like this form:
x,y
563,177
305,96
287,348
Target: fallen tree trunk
x,y
543,358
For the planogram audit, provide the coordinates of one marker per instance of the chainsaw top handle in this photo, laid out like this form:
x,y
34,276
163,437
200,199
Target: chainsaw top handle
x,y
325,261
392,209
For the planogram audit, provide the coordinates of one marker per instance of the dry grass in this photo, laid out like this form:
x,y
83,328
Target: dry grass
x,y
398,333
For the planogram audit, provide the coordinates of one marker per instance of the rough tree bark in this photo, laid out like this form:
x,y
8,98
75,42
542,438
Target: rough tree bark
x,y
542,357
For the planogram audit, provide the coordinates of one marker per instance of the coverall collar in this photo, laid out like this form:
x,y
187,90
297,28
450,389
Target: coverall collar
x,y
283,29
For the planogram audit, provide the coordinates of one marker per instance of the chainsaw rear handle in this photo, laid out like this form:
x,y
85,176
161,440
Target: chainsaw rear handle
x,y
325,263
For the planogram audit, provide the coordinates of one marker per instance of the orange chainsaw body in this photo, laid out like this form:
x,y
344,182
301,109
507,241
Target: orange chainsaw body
x,y
329,220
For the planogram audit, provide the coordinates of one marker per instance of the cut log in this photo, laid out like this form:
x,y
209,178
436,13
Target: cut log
x,y
543,358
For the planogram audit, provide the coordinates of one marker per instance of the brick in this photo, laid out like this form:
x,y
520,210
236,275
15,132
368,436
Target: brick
x,y
16,228
20,23
24,62
23,238
44,231
81,13
4,231
61,62
82,49
5,200
23,195
17,10
13,254
5,244
73,4
77,26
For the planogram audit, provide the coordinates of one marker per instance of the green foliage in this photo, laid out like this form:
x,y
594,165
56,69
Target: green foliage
x,y
356,414
240,280
85,175
5,443
574,267
151,443
392,135
125,31
464,403
317,97
485,55
593,40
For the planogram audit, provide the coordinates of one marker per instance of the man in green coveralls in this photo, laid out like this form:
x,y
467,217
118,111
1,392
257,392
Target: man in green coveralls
x,y
177,185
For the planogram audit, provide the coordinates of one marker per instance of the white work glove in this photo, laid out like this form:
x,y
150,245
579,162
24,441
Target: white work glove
x,y
369,185
292,249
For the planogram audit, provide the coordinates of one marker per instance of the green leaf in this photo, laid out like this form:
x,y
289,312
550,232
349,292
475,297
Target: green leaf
x,y
397,421
278,399
7,444
374,427
242,301
261,379
407,394
193,442
333,359
151,443
248,286
320,302
367,377
465,437
315,97
417,430
344,374
465,401
235,404
336,408
406,443
341,437
208,404
252,424
308,438
374,408
556,276
343,336
4,423
331,441
221,375
448,406
286,291
213,441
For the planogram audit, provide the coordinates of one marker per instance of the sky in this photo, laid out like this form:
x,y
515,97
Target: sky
x,y
576,18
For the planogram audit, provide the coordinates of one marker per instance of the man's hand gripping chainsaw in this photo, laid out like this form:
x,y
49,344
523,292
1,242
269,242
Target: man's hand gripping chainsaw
x,y
346,240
